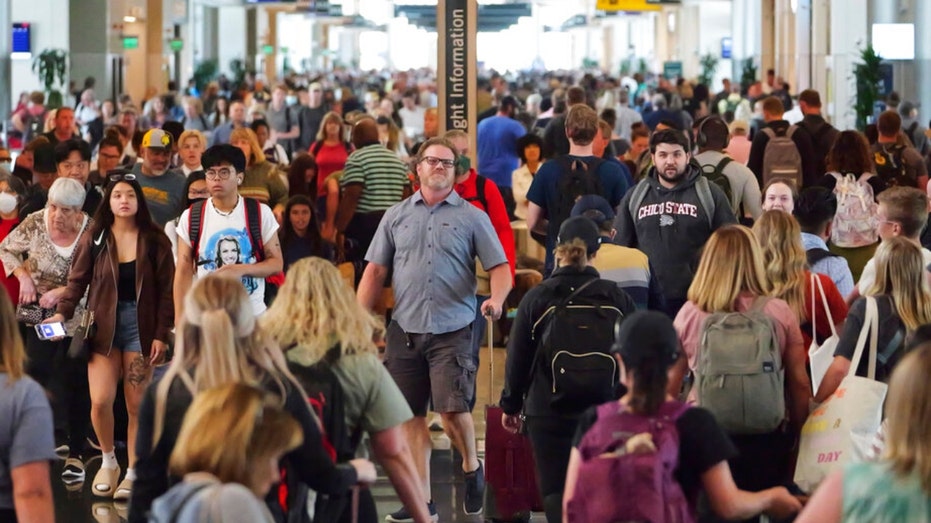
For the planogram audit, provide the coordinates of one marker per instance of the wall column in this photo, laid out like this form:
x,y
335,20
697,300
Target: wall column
x,y
842,94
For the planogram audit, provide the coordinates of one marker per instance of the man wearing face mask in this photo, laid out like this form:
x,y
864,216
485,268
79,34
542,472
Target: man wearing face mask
x,y
497,148
6,160
283,120
670,215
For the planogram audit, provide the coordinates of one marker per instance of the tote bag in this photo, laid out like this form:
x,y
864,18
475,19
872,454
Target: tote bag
x,y
842,428
820,356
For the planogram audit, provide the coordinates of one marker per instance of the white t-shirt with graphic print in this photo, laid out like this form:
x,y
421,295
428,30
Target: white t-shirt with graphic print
x,y
224,240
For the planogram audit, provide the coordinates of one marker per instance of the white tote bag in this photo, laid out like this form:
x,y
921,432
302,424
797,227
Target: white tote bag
x,y
842,428
820,357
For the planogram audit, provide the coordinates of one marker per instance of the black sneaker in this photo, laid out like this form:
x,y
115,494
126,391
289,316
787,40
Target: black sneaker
x,y
73,469
473,503
403,516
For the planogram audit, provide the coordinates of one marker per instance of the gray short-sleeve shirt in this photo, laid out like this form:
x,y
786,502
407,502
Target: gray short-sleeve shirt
x,y
26,432
432,252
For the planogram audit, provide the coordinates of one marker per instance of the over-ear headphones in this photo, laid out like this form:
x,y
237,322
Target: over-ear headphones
x,y
701,140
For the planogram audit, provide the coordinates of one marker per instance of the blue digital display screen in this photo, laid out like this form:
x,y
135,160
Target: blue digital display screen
x,y
22,37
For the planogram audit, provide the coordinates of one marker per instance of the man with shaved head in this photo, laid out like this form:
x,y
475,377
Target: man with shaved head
x,y
373,180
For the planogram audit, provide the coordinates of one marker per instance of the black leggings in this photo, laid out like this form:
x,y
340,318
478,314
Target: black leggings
x,y
551,438
65,380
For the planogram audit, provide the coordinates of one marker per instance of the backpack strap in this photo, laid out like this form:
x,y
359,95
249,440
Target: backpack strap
x,y
480,193
817,254
176,512
637,196
253,212
759,304
768,131
578,290
791,130
705,198
195,226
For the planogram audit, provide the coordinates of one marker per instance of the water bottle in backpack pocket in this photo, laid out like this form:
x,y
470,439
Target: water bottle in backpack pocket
x,y
740,376
577,335
623,480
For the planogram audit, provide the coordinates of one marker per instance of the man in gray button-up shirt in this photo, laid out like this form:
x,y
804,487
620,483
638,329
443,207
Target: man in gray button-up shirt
x,y
430,241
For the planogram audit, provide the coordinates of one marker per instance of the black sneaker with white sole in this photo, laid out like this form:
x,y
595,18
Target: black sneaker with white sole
x,y
473,503
73,469
403,515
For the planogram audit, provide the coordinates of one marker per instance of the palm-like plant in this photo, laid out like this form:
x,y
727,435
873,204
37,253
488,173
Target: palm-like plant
x,y
709,64
51,65
868,76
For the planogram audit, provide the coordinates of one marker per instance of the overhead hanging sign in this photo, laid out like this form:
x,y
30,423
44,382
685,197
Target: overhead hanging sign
x,y
626,5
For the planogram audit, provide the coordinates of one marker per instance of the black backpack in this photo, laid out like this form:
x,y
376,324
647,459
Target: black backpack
x,y
575,337
715,173
891,168
578,179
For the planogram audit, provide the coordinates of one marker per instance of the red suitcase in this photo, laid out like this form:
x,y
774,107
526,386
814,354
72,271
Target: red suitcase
x,y
511,491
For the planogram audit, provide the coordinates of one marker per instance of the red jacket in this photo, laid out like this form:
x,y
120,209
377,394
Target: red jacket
x,y
496,211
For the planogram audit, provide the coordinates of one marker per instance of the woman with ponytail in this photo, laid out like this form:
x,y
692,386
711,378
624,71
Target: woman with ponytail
x,y
527,373
219,342
645,349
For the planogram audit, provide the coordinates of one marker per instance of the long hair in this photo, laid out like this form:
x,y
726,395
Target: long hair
x,y
393,133
850,153
731,263
908,410
900,273
573,253
297,178
218,342
231,431
12,352
784,259
244,133
315,311
328,117
104,218
287,234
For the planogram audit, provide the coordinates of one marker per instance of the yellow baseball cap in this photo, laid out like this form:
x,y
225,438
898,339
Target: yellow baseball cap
x,y
157,139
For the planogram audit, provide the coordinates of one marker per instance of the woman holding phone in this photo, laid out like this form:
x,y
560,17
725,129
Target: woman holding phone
x,y
126,262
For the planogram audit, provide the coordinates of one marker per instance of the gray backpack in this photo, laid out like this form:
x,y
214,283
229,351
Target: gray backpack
x,y
781,158
740,378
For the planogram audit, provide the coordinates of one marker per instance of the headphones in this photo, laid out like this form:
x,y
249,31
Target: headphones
x,y
701,139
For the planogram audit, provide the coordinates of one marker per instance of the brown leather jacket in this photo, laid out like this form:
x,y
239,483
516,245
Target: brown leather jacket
x,y
155,269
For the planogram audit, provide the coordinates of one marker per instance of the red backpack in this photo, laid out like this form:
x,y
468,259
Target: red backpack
x,y
617,486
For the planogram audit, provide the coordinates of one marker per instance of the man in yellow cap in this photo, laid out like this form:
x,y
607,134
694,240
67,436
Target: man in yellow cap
x,y
163,188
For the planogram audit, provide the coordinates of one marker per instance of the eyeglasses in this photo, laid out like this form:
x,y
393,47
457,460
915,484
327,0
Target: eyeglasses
x,y
432,161
121,177
218,174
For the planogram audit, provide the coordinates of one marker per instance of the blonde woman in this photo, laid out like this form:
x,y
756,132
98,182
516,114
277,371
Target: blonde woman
x,y
228,451
789,279
903,300
898,487
27,444
731,278
330,151
390,136
218,342
316,317
262,179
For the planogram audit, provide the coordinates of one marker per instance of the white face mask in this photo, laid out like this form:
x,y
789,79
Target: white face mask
x,y
5,165
290,100
7,203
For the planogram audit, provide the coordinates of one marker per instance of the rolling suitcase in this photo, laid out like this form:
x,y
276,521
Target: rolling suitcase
x,y
511,491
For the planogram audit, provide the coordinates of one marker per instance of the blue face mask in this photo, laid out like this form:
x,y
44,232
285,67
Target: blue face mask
x,y
6,165
290,99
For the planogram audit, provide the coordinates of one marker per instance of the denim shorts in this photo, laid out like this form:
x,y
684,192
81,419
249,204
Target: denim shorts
x,y
126,332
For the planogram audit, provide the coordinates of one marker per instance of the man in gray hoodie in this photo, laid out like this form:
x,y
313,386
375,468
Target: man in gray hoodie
x,y
670,215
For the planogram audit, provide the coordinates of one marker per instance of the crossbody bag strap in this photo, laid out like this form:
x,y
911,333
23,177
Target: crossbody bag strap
x,y
861,340
873,315
824,302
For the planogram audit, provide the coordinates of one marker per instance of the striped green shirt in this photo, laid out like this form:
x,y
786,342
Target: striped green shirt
x,y
382,174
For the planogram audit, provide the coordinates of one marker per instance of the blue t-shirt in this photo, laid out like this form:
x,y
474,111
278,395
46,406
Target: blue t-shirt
x,y
26,432
497,148
544,191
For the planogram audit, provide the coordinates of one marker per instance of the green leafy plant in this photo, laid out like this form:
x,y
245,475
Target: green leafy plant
x,y
868,77
709,65
747,74
204,73
51,65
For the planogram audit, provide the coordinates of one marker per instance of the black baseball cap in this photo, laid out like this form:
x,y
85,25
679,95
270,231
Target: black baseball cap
x,y
582,228
594,207
646,335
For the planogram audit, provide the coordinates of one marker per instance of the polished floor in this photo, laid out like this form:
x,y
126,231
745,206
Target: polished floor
x,y
76,503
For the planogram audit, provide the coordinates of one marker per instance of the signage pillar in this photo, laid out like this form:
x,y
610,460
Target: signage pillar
x,y
456,27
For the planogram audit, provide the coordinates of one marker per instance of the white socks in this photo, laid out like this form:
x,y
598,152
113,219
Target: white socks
x,y
109,460
131,474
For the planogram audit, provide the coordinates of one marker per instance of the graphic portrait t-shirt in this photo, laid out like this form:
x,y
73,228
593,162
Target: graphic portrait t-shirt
x,y
224,240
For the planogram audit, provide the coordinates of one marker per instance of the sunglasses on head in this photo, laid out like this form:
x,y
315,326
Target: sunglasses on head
x,y
120,177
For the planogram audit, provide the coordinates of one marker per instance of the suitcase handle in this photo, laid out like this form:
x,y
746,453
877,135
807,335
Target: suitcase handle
x,y
491,361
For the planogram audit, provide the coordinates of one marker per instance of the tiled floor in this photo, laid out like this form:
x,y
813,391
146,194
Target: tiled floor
x,y
78,505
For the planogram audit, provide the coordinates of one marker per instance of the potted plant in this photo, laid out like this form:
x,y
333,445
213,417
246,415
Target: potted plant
x,y
709,64
868,76
51,65
747,75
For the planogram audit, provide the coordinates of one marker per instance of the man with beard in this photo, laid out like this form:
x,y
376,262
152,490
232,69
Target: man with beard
x,y
497,149
429,242
163,188
670,215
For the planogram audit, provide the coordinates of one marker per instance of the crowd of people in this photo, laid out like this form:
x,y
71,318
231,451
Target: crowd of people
x,y
223,261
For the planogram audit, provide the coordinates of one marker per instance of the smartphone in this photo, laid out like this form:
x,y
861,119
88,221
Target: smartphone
x,y
47,331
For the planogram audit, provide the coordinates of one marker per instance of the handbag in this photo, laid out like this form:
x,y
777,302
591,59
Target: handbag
x,y
842,429
79,349
820,356
32,314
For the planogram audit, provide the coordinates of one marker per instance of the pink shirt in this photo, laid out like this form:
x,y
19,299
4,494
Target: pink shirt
x,y
739,149
689,322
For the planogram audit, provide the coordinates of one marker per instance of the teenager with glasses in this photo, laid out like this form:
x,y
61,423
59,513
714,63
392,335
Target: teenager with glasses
x,y
125,264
